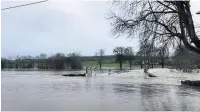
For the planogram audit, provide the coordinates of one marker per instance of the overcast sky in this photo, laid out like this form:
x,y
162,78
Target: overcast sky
x,y
62,26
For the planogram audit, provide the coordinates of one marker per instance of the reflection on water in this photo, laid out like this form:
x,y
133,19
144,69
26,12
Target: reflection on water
x,y
50,91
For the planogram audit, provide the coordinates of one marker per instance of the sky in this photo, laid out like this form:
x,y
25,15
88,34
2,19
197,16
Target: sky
x,y
62,26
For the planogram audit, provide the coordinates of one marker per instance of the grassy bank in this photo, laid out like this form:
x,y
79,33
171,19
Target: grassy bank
x,y
104,65
113,65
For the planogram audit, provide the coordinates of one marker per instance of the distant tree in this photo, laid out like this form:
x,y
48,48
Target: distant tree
x,y
3,62
75,60
163,53
58,61
119,52
185,60
37,58
140,57
29,61
129,54
100,55
25,63
148,52
10,62
42,58
17,62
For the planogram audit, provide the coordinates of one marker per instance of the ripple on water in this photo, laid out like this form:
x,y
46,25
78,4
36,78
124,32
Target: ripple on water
x,y
114,92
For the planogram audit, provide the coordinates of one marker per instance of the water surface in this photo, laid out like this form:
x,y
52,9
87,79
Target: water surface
x,y
49,90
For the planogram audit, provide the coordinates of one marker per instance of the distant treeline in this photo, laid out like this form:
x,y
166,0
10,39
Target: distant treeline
x,y
182,58
57,61
94,58
60,61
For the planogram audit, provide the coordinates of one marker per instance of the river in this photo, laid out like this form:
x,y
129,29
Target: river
x,y
50,91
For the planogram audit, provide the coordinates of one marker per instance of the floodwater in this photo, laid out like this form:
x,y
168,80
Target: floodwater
x,y
50,91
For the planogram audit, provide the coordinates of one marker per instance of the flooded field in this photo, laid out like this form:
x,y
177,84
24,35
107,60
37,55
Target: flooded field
x,y
45,91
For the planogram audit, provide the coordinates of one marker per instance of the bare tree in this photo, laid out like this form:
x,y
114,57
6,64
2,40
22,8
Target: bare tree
x,y
17,64
3,63
30,62
42,58
152,54
58,61
119,51
100,55
10,62
147,51
166,22
129,55
185,60
75,60
140,58
163,53
37,58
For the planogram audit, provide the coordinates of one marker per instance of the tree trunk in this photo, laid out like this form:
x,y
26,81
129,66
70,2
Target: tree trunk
x,y
37,64
47,66
162,64
120,64
141,66
22,64
100,66
16,66
186,22
9,65
130,64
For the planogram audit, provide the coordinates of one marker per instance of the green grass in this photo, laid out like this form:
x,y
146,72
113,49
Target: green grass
x,y
112,65
89,63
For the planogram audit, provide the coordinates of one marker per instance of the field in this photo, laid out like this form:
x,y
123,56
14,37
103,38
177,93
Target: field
x,y
104,65
113,65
